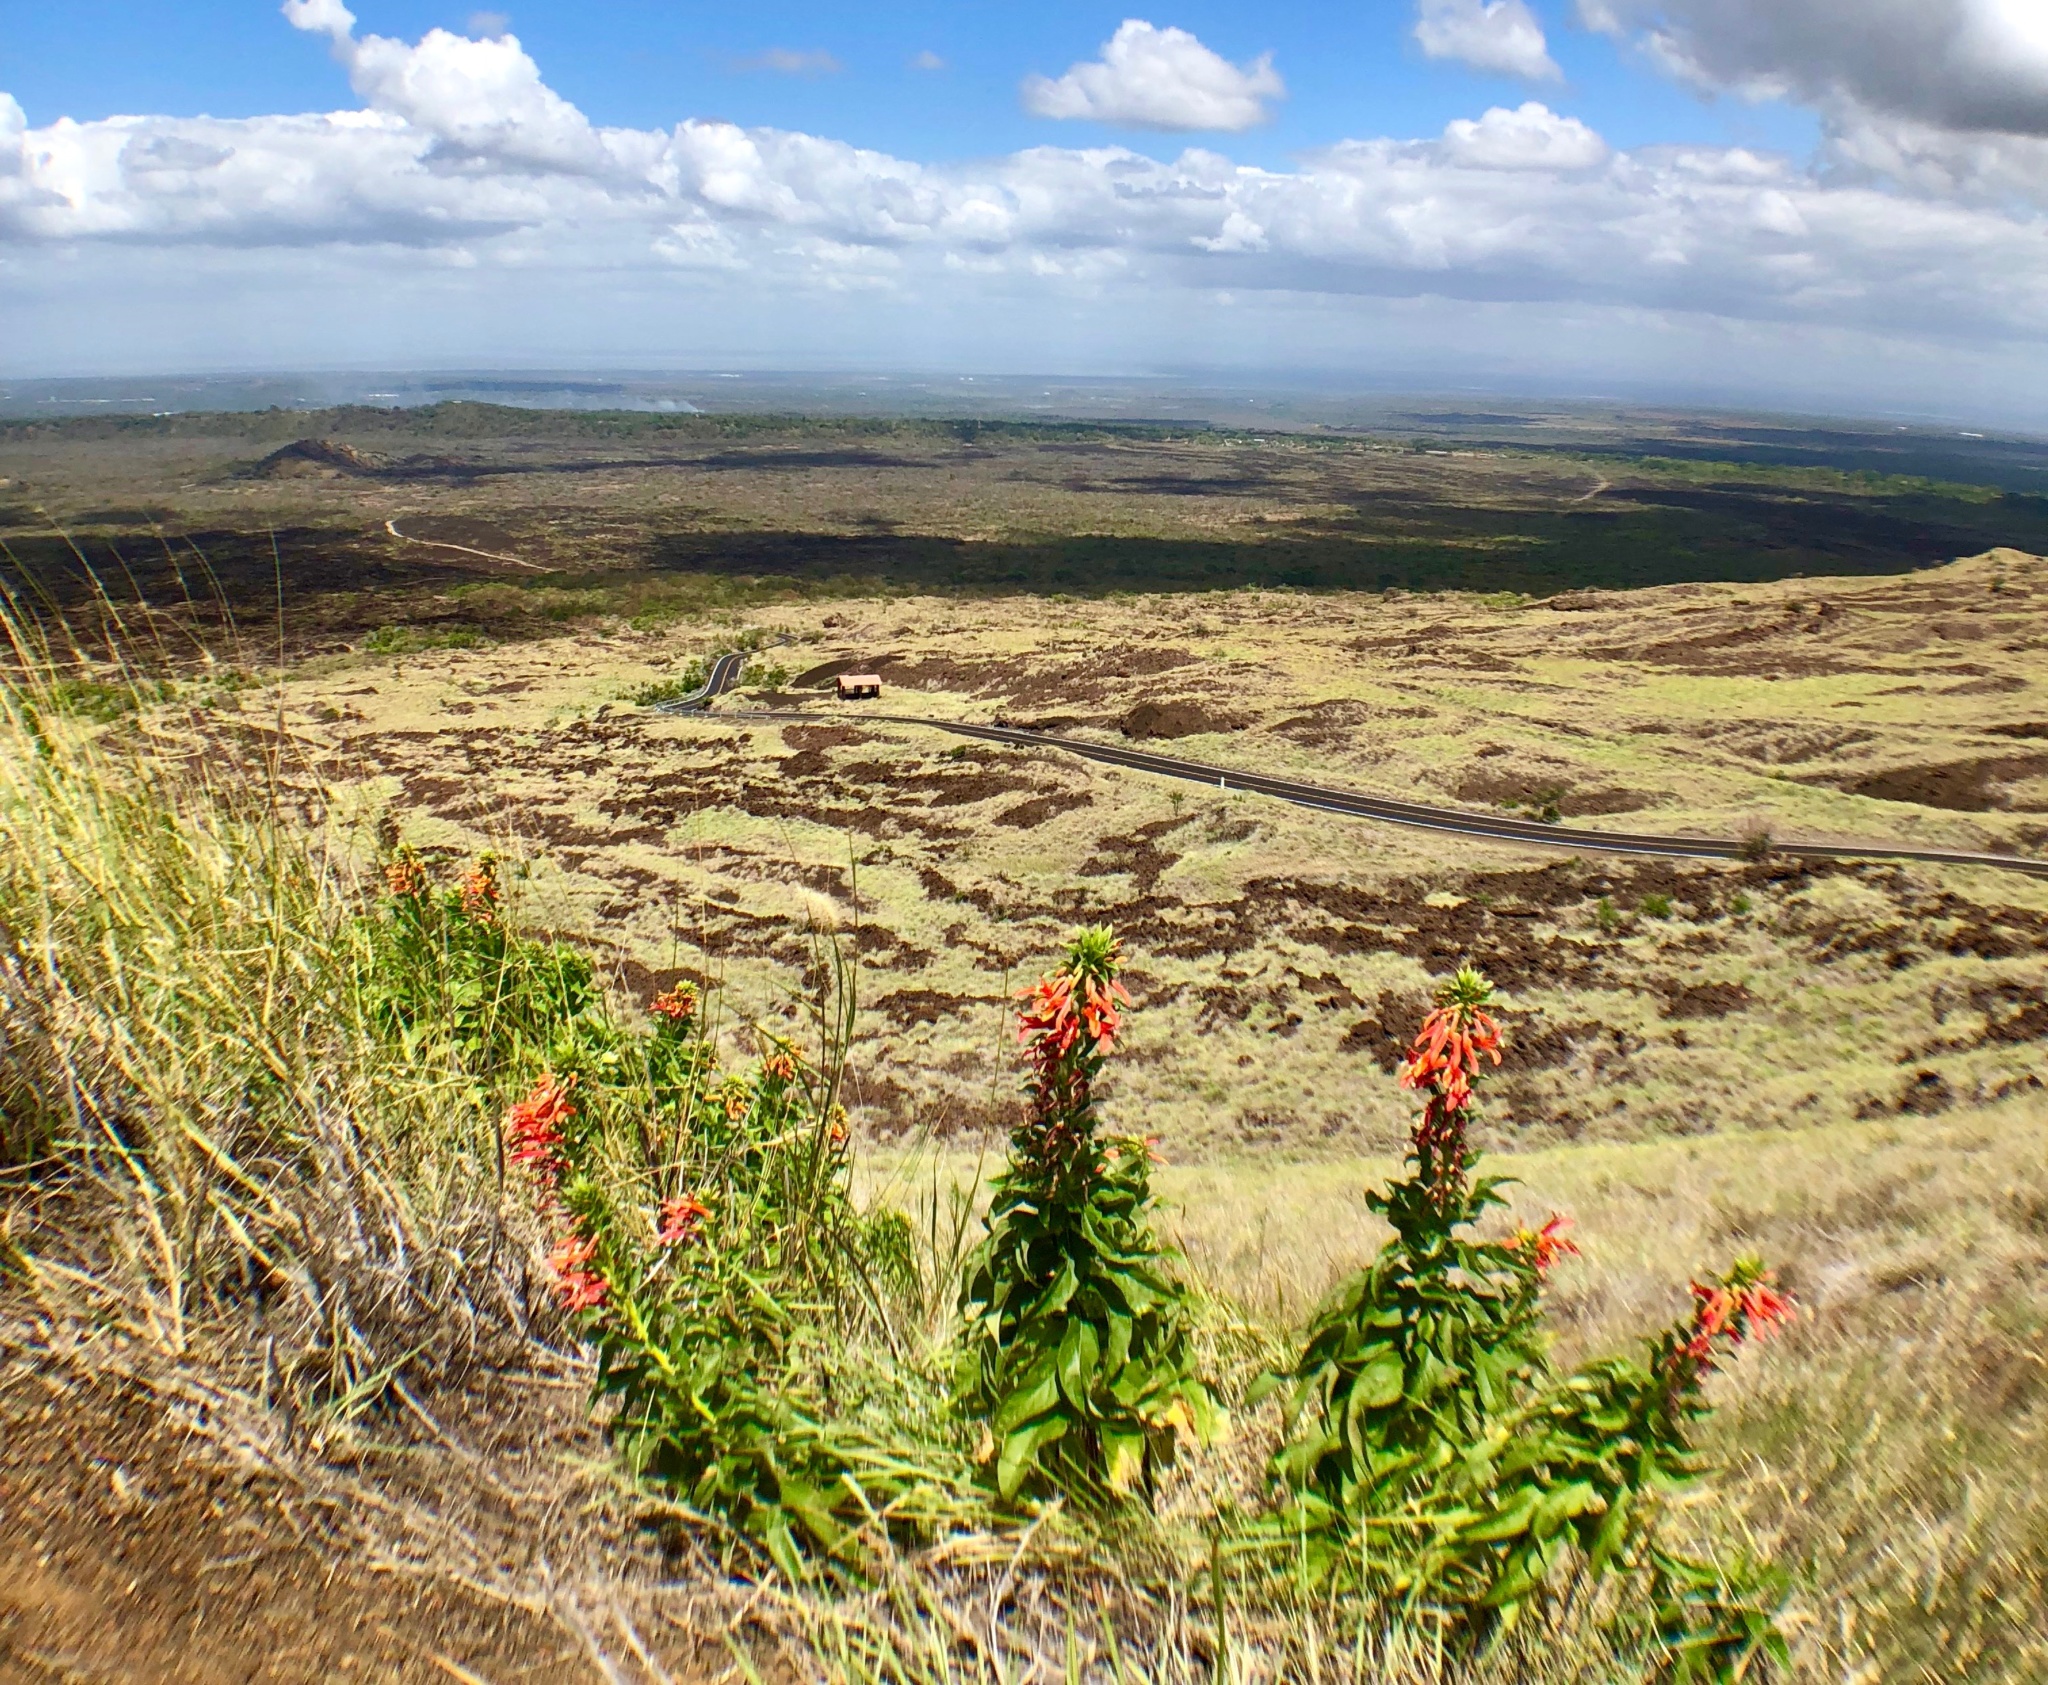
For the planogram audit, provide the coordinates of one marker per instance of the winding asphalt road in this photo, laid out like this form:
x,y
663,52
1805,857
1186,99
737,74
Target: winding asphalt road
x,y
725,673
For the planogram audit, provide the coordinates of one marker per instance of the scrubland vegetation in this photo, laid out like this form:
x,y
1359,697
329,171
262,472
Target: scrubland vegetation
x,y
315,1145
623,1196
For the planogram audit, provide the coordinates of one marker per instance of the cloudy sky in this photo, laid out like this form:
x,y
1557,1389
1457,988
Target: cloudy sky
x,y
1835,203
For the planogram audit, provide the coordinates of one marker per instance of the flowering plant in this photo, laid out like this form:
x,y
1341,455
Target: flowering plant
x,y
1433,1455
719,1315
1073,1348
442,967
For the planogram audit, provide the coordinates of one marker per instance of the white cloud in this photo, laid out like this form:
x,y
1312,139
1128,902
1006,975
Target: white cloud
x,y
786,61
484,97
320,17
1957,64
927,60
1150,78
464,171
489,23
1532,137
1501,37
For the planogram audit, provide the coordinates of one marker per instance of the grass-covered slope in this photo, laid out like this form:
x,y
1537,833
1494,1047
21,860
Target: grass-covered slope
x,y
255,1170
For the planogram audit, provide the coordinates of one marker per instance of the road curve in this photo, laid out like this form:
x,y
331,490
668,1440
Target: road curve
x,y
1321,797
725,673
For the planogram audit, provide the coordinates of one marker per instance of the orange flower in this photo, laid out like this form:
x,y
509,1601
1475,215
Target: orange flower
x,y
1063,1010
480,898
677,1005
737,1104
1446,1054
1547,1244
780,1066
533,1128
1742,1305
836,1132
581,1287
406,878
680,1218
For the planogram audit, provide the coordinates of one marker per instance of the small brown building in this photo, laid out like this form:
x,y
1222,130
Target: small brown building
x,y
856,685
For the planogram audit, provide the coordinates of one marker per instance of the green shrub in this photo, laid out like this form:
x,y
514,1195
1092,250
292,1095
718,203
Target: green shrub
x,y
411,640
1655,905
704,1236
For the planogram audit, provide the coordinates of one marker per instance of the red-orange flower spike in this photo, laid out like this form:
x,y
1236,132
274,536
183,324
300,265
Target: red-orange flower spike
x,y
533,1128
1741,1305
1547,1244
581,1287
680,1218
406,878
675,1006
779,1066
1454,1040
480,891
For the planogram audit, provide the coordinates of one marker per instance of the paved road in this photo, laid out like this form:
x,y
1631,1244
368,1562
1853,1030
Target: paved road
x,y
725,673
1450,820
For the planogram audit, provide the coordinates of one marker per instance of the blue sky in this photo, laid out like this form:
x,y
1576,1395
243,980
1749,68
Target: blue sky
x,y
1832,203
1351,69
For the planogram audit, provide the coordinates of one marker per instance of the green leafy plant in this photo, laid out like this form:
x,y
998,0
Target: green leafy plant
x,y
1655,905
1074,1327
442,967
1436,1462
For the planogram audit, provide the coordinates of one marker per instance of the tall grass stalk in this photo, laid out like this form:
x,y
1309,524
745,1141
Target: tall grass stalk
x,y
208,1134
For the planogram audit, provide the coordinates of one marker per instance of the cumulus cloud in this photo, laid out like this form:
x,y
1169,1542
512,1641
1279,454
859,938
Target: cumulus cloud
x,y
1956,64
1501,37
1149,78
1531,137
484,97
927,60
462,162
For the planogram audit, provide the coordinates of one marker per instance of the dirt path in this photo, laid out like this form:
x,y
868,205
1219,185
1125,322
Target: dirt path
x,y
391,526
126,1556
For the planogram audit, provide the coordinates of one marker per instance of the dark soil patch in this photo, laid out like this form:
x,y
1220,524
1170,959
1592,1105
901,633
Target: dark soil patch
x,y
465,530
1535,1046
2011,1014
1028,815
1707,1000
2028,730
927,1006
1175,719
1137,854
1538,790
1926,1093
1384,1036
1958,786
809,737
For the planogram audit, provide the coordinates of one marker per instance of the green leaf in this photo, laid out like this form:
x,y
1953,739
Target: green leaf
x,y
1038,1392
1021,1448
1380,1382
1124,1454
1078,1352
